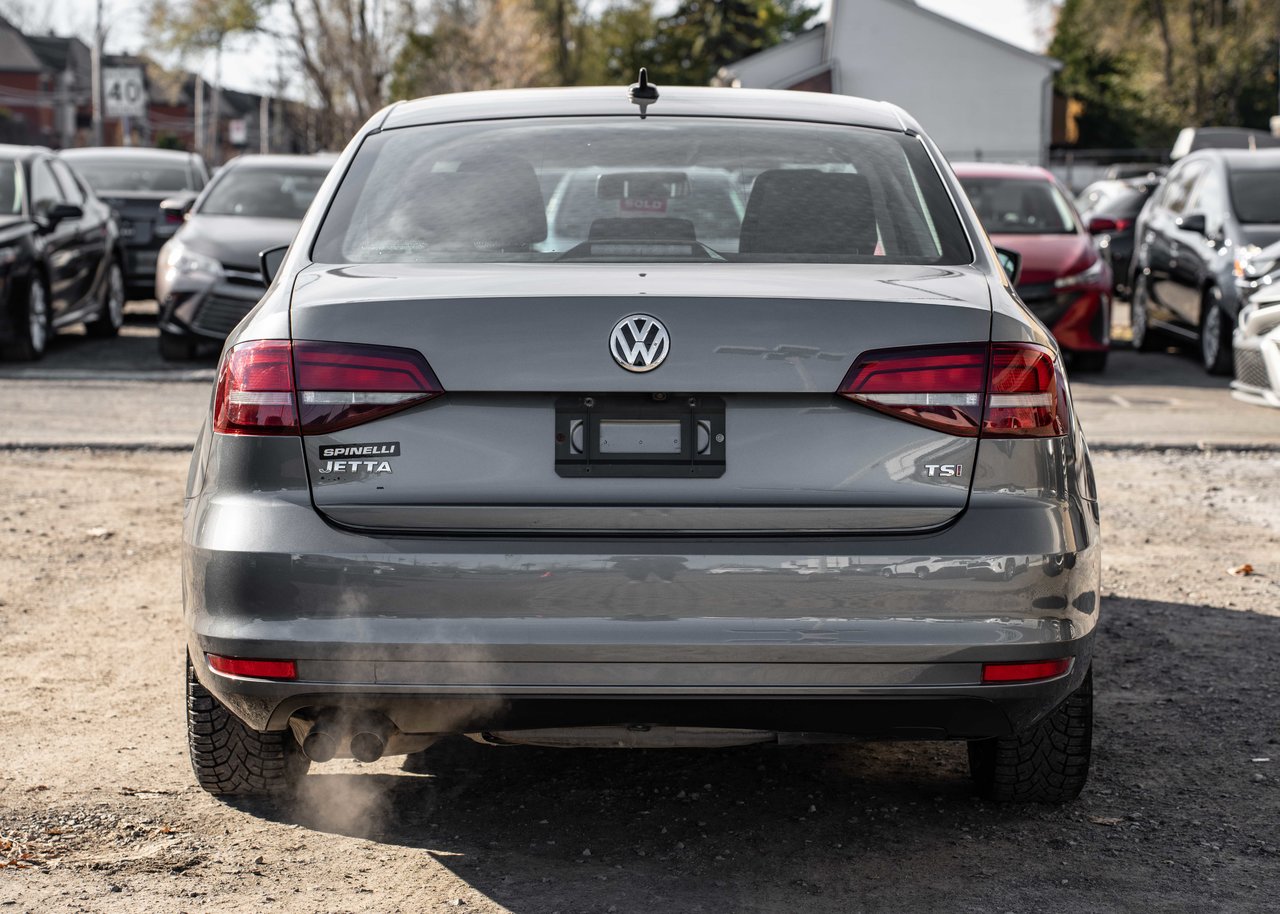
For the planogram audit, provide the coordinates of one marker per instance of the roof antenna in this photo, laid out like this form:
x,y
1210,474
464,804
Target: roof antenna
x,y
643,93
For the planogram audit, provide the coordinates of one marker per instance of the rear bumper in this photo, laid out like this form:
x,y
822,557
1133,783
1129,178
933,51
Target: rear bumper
x,y
448,634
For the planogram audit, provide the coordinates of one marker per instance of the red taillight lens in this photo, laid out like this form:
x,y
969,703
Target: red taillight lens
x,y
258,669
1024,393
342,385
935,386
336,386
255,391
947,388
1025,672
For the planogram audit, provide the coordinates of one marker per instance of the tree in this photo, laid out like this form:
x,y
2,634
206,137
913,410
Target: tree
x,y
1169,63
701,36
203,26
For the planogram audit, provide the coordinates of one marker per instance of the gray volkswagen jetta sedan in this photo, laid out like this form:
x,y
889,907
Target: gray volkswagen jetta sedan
x,y
649,481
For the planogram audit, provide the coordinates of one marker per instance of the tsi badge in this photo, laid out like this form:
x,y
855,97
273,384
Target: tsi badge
x,y
358,458
944,469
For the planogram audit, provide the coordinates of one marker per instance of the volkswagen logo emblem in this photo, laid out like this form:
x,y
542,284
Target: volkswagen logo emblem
x,y
639,342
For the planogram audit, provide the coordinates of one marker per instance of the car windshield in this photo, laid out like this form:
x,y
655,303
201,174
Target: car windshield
x,y
1255,196
616,189
104,175
10,188
266,192
1020,206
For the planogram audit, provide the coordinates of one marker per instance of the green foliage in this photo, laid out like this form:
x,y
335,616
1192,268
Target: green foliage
x,y
202,25
1143,69
701,36
168,141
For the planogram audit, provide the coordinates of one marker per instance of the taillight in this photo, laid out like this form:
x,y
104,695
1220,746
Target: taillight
x,y
255,390
274,387
1001,390
341,385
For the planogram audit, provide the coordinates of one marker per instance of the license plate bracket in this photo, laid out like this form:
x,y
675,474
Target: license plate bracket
x,y
672,436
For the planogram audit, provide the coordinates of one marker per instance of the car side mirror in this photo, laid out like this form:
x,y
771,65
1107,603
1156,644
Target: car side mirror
x,y
59,212
269,262
175,207
1012,263
1194,222
1101,225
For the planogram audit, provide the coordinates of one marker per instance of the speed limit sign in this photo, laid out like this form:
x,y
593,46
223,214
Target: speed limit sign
x,y
124,92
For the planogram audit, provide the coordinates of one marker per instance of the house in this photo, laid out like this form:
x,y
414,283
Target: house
x,y
978,97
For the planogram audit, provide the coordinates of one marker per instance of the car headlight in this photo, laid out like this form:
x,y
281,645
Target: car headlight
x,y
180,260
1090,275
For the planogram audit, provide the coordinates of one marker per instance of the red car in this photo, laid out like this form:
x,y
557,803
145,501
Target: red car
x,y
1064,279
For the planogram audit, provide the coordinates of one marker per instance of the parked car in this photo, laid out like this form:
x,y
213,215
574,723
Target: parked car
x,y
555,453
1109,210
208,276
1064,279
134,181
1195,241
1256,345
60,257
1122,171
1193,139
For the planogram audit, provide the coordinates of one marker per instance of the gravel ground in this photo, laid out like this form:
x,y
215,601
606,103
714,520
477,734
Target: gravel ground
x,y
98,811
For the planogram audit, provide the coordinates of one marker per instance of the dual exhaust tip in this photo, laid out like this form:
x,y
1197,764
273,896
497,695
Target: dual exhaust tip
x,y
366,735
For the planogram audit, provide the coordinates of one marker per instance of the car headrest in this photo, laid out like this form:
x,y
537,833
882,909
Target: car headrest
x,y
492,204
804,211
642,228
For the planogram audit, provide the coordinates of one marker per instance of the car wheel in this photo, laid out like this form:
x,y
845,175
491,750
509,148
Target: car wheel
x,y
176,348
1089,362
1139,319
111,318
232,760
32,326
1215,337
1046,763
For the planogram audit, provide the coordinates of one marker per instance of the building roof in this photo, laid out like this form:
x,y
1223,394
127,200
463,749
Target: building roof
x,y
990,39
16,55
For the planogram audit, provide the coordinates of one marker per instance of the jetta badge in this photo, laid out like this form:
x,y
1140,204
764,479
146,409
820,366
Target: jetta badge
x,y
639,342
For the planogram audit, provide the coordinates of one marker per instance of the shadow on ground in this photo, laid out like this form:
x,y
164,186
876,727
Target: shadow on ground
x,y
1174,818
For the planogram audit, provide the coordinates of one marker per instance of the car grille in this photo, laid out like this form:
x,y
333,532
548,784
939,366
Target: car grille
x,y
1251,368
218,315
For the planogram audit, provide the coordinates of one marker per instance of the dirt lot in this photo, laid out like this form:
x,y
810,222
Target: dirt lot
x,y
98,811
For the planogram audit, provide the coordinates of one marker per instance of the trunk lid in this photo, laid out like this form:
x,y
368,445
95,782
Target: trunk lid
x,y
520,348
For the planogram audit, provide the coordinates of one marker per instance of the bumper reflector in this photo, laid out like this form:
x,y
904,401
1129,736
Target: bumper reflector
x,y
1025,672
257,669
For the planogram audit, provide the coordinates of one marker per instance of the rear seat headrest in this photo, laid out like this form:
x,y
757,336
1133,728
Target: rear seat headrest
x,y
805,211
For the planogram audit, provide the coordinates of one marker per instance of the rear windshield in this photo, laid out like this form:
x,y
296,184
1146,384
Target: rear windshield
x,y
265,192
1255,196
1020,206
1126,204
132,176
623,190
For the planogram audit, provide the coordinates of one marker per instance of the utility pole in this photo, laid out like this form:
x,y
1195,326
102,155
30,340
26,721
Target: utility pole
x,y
264,125
199,115
95,65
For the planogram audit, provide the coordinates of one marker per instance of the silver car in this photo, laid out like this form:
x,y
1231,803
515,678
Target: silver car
x,y
627,484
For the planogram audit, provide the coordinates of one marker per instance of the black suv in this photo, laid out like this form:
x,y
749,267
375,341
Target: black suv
x,y
1194,240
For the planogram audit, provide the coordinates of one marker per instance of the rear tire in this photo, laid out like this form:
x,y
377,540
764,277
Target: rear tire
x,y
1215,337
232,760
175,348
1046,763
1144,338
32,325
111,318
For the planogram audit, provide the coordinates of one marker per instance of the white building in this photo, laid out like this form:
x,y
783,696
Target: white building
x,y
975,95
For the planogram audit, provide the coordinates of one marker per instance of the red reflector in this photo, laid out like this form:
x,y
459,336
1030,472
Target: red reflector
x,y
257,669
1025,672
255,390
